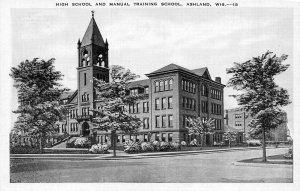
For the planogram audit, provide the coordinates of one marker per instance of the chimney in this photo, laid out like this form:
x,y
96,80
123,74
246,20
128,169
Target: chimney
x,y
218,79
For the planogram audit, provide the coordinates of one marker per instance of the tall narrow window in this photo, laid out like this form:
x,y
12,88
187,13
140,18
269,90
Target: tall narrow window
x,y
170,84
157,121
161,85
163,137
163,103
157,103
164,121
170,137
170,102
84,78
166,85
156,86
170,119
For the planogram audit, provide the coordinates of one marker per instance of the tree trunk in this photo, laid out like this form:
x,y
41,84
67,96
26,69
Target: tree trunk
x,y
114,142
202,140
264,145
41,145
229,143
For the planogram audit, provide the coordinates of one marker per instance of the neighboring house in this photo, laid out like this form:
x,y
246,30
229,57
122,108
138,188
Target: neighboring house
x,y
238,119
174,93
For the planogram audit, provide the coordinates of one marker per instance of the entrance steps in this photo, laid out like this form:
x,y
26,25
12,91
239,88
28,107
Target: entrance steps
x,y
64,143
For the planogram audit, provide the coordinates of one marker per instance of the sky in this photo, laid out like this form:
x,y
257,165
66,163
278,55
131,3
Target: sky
x,y
146,39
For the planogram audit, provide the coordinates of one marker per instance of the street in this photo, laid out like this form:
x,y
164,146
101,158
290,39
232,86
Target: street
x,y
197,168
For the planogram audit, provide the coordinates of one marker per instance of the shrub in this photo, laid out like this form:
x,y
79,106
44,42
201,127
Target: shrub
x,y
254,142
156,145
183,143
24,150
82,142
131,146
289,154
194,143
99,149
174,146
147,146
164,146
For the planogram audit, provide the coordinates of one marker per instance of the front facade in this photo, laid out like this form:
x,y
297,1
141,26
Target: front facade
x,y
173,93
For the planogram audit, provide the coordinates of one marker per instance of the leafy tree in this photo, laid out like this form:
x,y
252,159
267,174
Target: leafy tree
x,y
114,98
261,95
39,94
200,127
230,136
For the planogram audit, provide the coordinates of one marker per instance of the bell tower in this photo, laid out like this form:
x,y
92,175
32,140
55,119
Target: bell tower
x,y
92,63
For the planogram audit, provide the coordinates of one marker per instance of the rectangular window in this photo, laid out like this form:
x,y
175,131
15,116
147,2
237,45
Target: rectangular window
x,y
183,120
146,90
183,102
187,102
163,103
146,123
166,85
156,86
164,121
118,139
157,121
84,78
237,116
123,138
106,139
146,107
182,84
157,104
145,138
161,85
170,137
171,84
137,108
137,138
170,120
156,136
194,88
163,137
130,108
170,102
238,123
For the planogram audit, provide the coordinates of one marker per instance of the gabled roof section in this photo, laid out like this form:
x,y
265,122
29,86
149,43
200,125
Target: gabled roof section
x,y
202,72
66,95
168,68
92,32
73,98
139,83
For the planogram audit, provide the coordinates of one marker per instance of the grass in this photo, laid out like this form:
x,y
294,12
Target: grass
x,y
275,159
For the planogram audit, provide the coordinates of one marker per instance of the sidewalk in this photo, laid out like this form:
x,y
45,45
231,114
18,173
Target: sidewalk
x,y
123,156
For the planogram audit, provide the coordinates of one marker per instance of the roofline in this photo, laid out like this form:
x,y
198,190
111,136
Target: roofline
x,y
74,94
183,71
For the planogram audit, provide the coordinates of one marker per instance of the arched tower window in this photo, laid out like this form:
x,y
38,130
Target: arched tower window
x,y
100,60
88,61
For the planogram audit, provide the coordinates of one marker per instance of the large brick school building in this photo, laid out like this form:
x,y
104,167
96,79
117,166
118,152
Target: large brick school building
x,y
174,93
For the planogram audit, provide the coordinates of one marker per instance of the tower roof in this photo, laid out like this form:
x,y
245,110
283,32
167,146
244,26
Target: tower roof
x,y
92,35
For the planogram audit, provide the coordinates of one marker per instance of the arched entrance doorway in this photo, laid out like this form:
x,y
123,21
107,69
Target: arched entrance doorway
x,y
85,129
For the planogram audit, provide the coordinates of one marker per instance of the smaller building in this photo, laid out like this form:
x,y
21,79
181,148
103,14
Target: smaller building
x,y
238,119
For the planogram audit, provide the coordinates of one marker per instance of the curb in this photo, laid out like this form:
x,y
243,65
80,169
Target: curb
x,y
263,165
